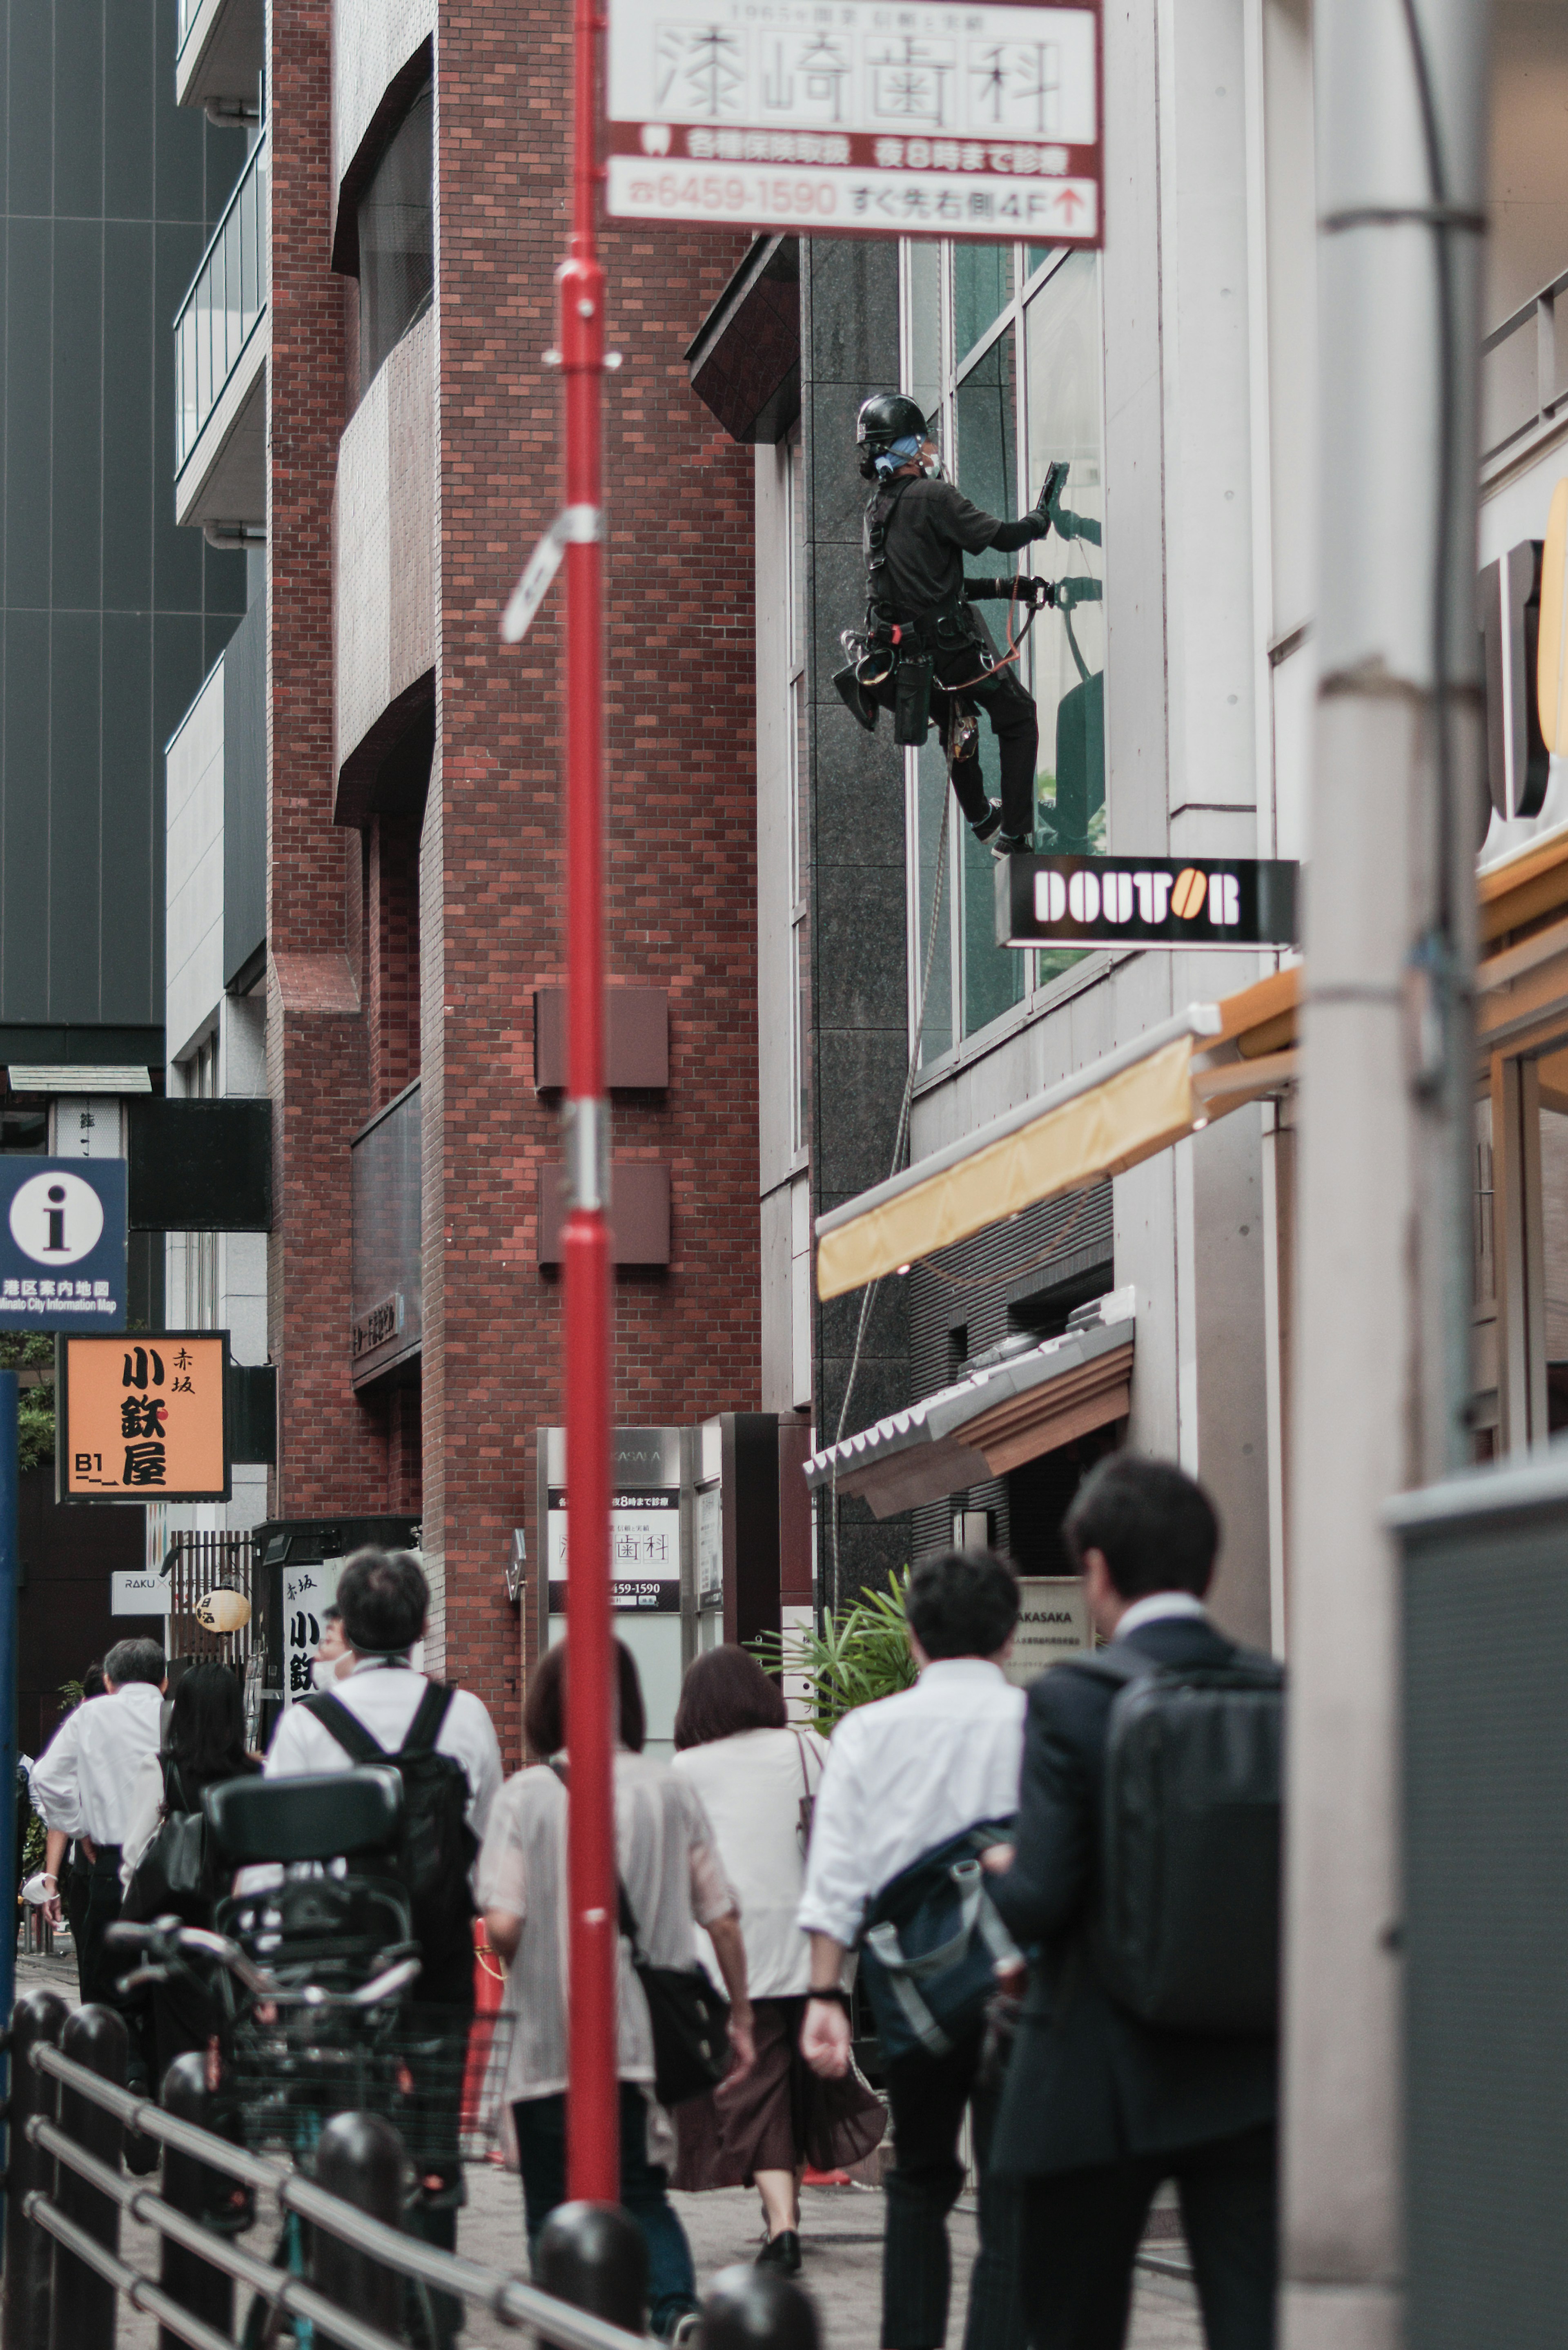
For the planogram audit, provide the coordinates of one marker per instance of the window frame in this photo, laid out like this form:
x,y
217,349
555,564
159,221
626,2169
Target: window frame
x,y
954,368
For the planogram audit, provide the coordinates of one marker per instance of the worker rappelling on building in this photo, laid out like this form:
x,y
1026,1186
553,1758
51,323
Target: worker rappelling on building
x,y
925,653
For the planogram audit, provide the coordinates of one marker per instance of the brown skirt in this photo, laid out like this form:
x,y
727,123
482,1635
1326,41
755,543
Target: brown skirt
x,y
778,2116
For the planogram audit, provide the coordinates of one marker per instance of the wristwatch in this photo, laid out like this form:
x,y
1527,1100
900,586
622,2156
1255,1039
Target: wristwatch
x,y
834,1996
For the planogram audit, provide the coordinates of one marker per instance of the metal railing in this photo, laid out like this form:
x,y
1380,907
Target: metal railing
x,y
65,2274
225,305
1516,400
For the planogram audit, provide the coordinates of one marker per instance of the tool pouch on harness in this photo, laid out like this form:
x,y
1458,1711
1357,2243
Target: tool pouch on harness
x,y
931,1946
912,700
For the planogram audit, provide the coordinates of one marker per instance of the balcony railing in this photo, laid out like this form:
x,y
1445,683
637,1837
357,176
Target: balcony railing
x,y
225,306
1522,389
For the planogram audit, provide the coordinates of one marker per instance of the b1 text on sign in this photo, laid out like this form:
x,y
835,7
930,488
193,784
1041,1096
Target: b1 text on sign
x,y
926,119
1146,902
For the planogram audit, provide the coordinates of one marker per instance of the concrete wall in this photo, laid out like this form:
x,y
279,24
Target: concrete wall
x,y
372,41
194,865
384,584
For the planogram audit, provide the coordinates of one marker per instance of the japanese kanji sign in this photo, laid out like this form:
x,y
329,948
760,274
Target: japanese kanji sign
x,y
141,1417
645,1551
62,1243
846,116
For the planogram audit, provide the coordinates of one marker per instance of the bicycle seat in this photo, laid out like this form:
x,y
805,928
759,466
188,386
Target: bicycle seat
x,y
319,1815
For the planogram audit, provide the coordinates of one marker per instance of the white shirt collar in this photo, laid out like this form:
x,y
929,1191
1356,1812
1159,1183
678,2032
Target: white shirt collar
x,y
1158,1608
953,1668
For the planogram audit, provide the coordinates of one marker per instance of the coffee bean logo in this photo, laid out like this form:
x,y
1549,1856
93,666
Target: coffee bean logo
x,y
1186,898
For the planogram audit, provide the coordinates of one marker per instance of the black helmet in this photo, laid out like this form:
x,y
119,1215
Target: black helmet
x,y
886,417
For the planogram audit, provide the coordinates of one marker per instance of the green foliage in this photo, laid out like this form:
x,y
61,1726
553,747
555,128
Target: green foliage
x,y
71,1697
32,1841
32,1351
862,1653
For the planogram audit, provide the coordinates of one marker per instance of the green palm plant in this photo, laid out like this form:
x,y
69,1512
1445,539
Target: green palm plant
x,y
861,1653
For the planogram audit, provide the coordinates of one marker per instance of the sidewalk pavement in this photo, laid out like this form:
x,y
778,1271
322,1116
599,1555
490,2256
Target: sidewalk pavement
x,y
841,2243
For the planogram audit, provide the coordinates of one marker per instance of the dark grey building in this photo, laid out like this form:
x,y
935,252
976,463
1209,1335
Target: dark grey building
x,y
110,615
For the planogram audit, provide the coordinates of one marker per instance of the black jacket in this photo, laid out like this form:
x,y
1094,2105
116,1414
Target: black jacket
x,y
1088,2082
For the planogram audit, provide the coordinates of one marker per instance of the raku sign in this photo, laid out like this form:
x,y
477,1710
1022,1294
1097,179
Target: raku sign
x,y
62,1243
951,121
1146,902
142,1418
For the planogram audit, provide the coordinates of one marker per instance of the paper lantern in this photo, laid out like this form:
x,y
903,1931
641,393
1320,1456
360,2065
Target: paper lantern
x,y
224,1610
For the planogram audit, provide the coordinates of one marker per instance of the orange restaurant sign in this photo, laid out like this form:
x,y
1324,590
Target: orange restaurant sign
x,y
141,1417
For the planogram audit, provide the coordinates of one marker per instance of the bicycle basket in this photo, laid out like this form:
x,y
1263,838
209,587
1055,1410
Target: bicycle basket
x,y
437,2079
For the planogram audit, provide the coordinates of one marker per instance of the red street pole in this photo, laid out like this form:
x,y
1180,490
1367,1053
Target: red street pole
x,y
593,2146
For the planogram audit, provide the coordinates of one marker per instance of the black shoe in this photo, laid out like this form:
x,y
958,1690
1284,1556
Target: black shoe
x,y
988,825
781,2251
1010,844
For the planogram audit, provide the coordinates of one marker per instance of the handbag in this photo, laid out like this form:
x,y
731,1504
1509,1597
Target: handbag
x,y
689,2022
174,1874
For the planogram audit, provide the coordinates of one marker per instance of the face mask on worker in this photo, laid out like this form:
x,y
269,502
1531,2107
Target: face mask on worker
x,y
902,452
323,1672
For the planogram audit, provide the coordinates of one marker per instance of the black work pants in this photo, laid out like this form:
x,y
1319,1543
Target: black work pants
x,y
927,2095
1011,710
1079,2233
100,1969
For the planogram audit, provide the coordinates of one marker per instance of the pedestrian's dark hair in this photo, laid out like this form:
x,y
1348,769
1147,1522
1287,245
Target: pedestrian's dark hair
x,y
207,1723
1155,1525
544,1714
724,1692
332,1615
963,1603
93,1680
383,1599
133,1660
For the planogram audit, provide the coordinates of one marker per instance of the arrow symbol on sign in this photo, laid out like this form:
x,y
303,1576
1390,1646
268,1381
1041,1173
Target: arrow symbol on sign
x,y
1069,200
574,525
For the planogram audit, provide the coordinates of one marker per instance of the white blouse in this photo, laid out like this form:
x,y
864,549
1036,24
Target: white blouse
x,y
752,1785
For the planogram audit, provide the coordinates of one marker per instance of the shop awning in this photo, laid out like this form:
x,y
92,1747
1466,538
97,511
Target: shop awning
x,y
995,1418
1104,1118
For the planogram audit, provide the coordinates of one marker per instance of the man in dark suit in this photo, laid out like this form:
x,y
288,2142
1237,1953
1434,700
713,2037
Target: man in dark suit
x,y
1100,2107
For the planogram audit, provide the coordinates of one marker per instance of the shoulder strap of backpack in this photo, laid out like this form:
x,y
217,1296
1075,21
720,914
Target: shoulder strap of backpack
x,y
347,1727
425,1727
627,1920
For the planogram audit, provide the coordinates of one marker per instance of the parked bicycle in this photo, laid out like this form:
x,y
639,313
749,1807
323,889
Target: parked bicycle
x,y
313,1970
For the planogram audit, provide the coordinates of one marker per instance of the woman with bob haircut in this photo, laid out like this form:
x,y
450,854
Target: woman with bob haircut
x,y
673,1882
757,1778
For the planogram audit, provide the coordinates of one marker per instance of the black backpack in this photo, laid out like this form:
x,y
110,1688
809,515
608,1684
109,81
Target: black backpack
x,y
1188,1932
436,1848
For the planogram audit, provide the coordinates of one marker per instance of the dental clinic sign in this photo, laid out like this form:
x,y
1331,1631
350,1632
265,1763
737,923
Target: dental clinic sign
x,y
1146,902
857,117
62,1243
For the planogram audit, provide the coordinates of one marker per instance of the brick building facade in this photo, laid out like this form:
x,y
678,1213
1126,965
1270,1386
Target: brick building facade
x,y
414,792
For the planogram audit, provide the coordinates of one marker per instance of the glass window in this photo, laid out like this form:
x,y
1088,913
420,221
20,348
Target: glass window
x,y
982,289
1061,335
396,259
923,299
1007,361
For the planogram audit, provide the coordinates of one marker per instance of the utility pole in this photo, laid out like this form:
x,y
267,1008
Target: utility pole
x,y
1383,1374
592,2152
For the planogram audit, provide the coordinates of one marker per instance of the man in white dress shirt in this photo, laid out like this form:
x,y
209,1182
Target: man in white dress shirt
x,y
81,1785
903,1776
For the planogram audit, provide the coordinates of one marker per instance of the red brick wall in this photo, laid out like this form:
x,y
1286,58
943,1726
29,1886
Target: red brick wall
x,y
679,754
330,1455
345,1032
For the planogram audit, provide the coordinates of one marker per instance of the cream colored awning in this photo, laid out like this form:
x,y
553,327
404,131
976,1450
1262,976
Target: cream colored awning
x,y
1103,1119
